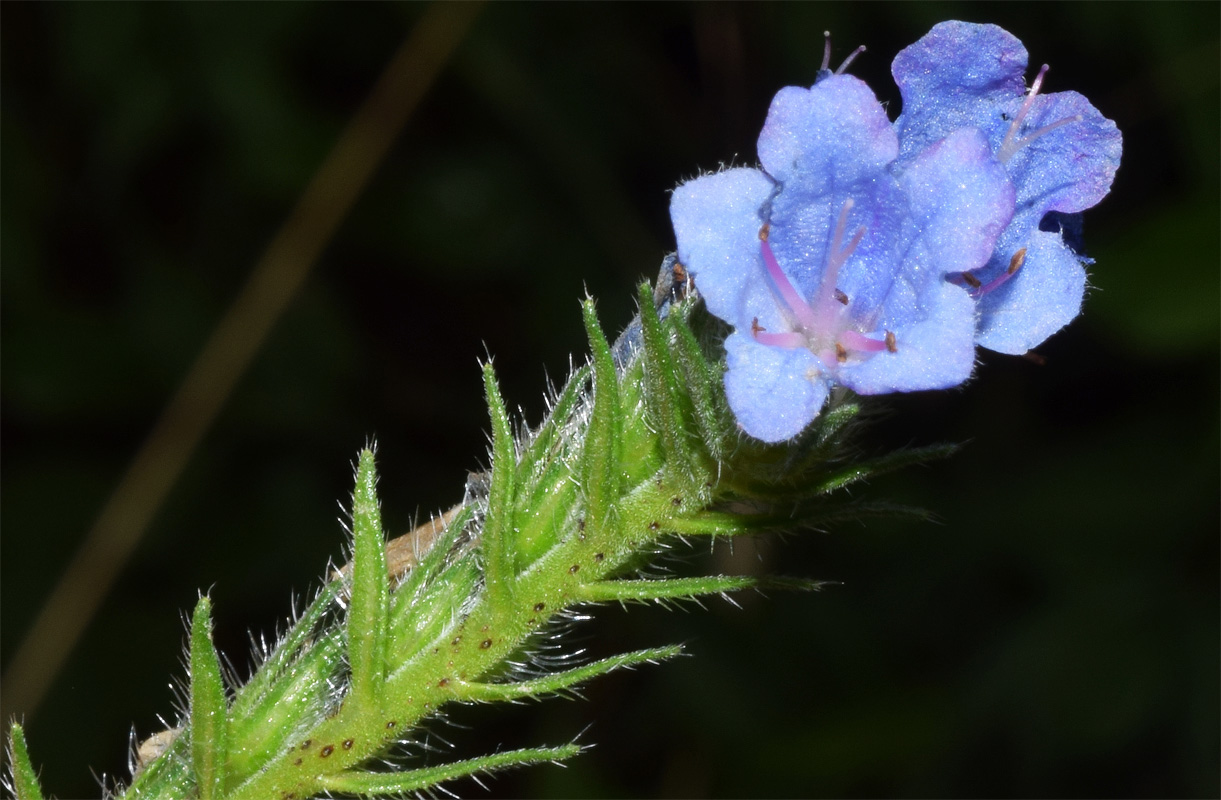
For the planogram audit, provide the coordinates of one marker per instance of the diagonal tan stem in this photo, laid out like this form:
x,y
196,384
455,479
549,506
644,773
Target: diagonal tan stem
x,y
235,341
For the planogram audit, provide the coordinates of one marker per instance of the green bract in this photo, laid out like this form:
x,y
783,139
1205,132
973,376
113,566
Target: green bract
x,y
639,447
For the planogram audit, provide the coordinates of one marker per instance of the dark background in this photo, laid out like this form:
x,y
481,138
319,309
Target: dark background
x,y
1055,634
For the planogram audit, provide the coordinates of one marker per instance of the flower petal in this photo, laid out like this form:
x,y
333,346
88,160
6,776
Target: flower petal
x,y
1068,169
774,392
1040,299
829,136
935,349
716,222
958,75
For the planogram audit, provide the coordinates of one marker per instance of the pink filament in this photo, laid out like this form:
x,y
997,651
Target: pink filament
x,y
801,310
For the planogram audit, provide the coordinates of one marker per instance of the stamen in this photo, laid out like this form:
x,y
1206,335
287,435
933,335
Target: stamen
x,y
1012,144
1015,264
891,347
791,339
826,51
971,280
840,296
801,310
839,254
860,342
841,355
765,231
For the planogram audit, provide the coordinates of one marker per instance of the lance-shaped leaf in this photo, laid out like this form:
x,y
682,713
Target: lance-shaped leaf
x,y
601,456
380,784
664,397
556,682
499,544
369,608
209,713
25,779
666,589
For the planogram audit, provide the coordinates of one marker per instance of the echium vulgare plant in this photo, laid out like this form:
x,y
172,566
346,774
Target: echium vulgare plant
x,y
863,256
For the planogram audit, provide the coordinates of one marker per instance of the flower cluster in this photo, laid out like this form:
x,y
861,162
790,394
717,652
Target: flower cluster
x,y
876,255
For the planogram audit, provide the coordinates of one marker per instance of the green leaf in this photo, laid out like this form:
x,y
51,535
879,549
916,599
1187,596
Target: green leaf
x,y
549,684
377,784
704,380
548,434
664,397
890,462
369,606
209,717
252,697
601,456
25,780
665,589
499,543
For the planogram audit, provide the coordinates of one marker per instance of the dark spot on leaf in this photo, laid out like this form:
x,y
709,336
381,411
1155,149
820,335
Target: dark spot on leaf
x,y
539,606
599,556
654,526
305,745
573,569
485,644
347,744
326,751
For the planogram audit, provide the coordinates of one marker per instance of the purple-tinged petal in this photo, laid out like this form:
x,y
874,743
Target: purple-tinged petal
x,y
957,75
961,201
934,349
774,392
829,136
1040,299
716,222
1070,168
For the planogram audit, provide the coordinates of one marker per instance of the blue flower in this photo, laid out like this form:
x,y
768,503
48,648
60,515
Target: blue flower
x,y
1060,152
831,262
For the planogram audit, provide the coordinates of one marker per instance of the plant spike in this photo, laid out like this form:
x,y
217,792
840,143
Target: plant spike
x,y
370,602
209,712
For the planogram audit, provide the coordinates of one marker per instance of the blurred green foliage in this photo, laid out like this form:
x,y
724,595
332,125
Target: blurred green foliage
x,y
1057,634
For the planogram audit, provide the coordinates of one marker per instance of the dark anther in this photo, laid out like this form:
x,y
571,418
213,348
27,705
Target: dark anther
x,y
841,355
841,297
971,280
765,232
890,343
1016,262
